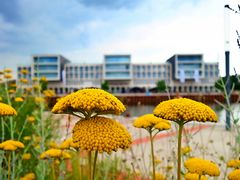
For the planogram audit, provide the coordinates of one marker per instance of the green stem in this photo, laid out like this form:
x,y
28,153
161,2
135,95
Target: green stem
x,y
180,129
152,153
9,166
53,170
2,122
94,164
90,165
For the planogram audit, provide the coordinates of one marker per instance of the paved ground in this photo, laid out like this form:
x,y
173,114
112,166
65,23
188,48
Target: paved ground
x,y
207,140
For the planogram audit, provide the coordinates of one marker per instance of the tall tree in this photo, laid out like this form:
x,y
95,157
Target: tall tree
x,y
161,86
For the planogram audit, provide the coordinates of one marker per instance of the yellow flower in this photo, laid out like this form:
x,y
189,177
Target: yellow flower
x,y
1,72
7,76
27,138
6,110
202,167
24,80
185,110
43,79
19,99
11,91
53,144
158,161
186,150
234,163
67,144
159,176
30,118
100,133
234,175
13,85
49,93
89,100
39,99
194,176
150,121
36,87
55,153
26,156
7,70
29,176
11,145
24,71
34,79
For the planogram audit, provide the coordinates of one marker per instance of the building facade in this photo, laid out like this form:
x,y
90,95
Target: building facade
x,y
181,73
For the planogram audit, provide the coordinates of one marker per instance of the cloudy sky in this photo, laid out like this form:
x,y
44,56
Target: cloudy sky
x,y
84,30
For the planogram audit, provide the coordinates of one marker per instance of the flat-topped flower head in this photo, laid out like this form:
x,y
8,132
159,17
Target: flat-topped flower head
x,y
18,99
101,134
55,153
24,71
185,110
202,167
234,175
234,163
160,176
67,144
11,145
29,176
89,100
49,93
7,70
150,121
186,150
194,176
6,110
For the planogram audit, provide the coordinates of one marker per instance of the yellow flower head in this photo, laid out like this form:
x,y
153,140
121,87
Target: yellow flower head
x,y
39,99
43,79
55,153
53,144
194,176
185,110
19,99
34,79
26,156
13,85
186,150
159,176
24,80
36,87
27,138
24,71
11,145
89,100
6,110
67,144
234,175
100,133
11,91
29,176
234,163
7,76
49,93
7,70
202,167
30,118
150,121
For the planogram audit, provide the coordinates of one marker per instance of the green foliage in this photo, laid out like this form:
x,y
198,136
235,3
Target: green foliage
x,y
105,86
161,86
234,83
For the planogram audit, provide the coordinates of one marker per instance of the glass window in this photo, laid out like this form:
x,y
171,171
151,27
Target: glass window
x,y
86,68
117,59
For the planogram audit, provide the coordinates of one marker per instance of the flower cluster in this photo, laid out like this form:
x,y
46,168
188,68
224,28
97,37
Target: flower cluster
x,y
234,163
11,145
18,99
186,150
194,176
159,176
183,109
67,144
100,133
89,100
49,93
234,175
55,153
202,167
26,156
29,176
6,110
150,121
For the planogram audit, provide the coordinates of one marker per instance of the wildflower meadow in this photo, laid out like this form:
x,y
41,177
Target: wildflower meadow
x,y
86,136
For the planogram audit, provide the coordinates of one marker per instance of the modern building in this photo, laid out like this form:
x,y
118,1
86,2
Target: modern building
x,y
181,73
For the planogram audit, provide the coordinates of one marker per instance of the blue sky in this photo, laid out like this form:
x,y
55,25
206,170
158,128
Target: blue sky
x,y
84,30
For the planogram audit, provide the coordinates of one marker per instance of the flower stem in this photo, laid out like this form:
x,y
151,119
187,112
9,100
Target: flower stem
x,y
180,129
199,177
9,166
94,164
90,165
53,171
152,153
2,122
